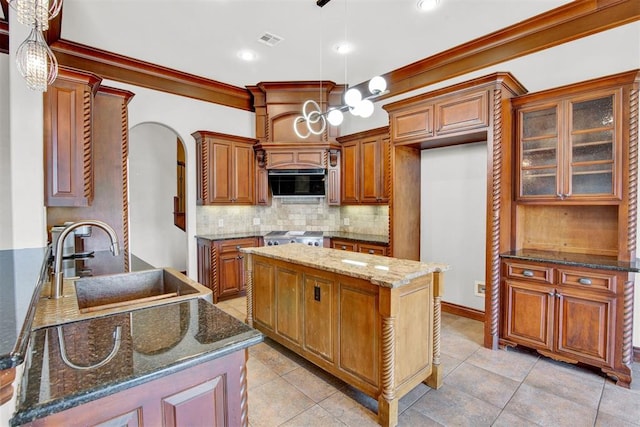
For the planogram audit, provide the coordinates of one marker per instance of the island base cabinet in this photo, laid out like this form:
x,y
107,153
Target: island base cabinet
x,y
382,341
213,393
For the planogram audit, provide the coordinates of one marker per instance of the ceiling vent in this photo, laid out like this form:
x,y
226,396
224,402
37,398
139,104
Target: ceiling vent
x,y
270,39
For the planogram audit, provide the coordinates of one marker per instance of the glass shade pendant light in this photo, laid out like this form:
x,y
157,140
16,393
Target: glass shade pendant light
x,y
36,62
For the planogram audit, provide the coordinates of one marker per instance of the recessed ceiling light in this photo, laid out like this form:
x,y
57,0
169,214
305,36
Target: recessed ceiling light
x,y
247,55
426,5
343,48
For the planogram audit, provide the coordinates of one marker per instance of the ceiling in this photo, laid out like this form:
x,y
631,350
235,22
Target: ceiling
x,y
203,37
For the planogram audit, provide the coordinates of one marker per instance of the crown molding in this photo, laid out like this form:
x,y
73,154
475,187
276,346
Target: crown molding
x,y
124,69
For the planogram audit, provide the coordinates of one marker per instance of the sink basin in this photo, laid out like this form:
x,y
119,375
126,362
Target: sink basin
x,y
141,288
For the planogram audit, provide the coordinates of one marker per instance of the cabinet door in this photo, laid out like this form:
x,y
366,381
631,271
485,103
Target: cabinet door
x,y
230,280
67,140
288,290
319,325
591,149
528,314
585,325
539,152
372,170
350,173
243,174
231,266
220,169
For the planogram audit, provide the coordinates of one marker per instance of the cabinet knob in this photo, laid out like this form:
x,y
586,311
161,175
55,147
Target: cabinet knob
x,y
527,273
344,248
584,281
371,251
552,293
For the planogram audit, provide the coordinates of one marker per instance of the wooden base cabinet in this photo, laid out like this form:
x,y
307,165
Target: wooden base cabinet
x,y
382,341
211,394
220,266
567,313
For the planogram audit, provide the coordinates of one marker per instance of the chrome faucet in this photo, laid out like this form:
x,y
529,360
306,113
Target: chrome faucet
x,y
56,279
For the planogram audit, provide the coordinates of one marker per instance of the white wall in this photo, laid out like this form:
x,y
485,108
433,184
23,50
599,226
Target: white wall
x,y
6,240
152,185
452,221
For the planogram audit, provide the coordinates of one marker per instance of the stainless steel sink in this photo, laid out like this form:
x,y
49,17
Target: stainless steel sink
x,y
142,288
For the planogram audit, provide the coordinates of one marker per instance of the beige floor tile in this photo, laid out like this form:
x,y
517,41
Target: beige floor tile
x,y
547,409
276,402
469,328
348,411
314,385
258,373
456,345
276,357
508,419
511,364
410,398
414,418
568,381
316,416
621,402
448,363
606,420
482,384
451,407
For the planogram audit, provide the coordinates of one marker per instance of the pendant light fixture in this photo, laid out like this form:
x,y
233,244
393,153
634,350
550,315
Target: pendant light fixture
x,y
316,120
34,59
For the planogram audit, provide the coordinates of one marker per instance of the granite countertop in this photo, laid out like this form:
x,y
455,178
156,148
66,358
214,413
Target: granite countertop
x,y
379,270
155,342
373,238
573,259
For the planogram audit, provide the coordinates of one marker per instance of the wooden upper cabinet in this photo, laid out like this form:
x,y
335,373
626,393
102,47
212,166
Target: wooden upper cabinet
x,y
225,167
572,141
68,105
366,167
440,117
569,148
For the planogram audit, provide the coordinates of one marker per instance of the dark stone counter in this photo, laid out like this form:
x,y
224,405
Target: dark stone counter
x,y
154,342
576,260
358,237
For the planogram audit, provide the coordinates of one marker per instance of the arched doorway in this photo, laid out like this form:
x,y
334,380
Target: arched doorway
x,y
156,193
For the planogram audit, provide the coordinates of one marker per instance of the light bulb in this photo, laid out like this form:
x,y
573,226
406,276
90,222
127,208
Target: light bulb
x,y
335,117
377,85
356,109
365,108
426,5
352,97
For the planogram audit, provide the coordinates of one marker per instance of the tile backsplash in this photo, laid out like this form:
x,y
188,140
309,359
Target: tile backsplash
x,y
292,214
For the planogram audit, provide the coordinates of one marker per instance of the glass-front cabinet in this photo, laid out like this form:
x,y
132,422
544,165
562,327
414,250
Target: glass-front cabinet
x,y
567,149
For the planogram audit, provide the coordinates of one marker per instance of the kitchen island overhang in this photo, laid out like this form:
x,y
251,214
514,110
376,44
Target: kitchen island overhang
x,y
372,321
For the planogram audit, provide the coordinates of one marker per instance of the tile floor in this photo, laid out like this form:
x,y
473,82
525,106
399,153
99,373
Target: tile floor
x,y
480,388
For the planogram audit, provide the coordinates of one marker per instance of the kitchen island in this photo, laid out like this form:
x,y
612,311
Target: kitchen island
x,y
372,321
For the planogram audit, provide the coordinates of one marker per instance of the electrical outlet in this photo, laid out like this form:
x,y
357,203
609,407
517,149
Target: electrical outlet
x,y
479,288
346,221
256,221
221,222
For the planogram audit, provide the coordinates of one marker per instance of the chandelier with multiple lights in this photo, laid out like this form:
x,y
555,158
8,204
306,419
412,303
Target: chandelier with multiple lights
x,y
315,120
34,59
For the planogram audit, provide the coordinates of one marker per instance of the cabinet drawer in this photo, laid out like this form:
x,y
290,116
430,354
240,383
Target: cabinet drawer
x,y
235,244
587,279
372,249
531,272
345,246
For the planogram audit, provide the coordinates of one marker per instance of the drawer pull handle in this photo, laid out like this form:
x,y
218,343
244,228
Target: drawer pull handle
x,y
527,273
372,252
344,248
584,281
